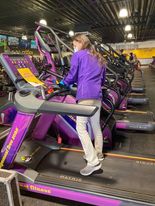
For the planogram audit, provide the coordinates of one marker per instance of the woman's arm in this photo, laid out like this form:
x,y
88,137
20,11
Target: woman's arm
x,y
72,76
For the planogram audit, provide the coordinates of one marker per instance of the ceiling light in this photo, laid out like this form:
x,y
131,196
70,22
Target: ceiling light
x,y
43,21
71,33
87,33
123,13
128,28
24,37
129,36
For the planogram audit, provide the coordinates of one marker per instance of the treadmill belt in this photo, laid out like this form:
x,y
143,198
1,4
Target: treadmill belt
x,y
135,117
149,76
122,178
138,143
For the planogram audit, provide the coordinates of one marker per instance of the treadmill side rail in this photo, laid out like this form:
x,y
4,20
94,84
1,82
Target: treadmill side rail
x,y
30,104
76,195
135,126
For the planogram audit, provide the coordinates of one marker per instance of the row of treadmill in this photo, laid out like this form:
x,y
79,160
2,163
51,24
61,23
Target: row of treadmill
x,y
42,145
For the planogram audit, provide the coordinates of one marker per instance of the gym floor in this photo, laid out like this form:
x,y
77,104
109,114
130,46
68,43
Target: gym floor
x,y
136,143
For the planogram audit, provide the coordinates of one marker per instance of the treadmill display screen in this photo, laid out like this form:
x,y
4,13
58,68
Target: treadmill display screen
x,y
17,62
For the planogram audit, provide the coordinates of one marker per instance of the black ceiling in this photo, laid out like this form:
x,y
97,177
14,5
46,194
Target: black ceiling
x,y
99,17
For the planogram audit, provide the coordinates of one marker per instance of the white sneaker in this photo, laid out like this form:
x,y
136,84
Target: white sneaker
x,y
88,170
99,155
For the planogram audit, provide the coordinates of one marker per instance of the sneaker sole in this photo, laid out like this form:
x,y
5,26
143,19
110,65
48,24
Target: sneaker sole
x,y
101,159
98,159
95,169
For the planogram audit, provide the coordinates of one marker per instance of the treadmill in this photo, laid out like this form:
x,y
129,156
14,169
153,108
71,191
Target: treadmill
x,y
52,169
109,50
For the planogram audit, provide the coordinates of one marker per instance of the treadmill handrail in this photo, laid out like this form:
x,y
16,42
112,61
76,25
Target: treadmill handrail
x,y
52,31
31,104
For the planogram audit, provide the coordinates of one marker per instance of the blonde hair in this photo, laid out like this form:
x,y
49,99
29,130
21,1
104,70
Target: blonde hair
x,y
86,44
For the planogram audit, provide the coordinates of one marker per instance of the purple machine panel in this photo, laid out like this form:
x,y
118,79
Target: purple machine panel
x,y
113,96
17,61
123,84
43,126
15,138
123,105
7,116
122,125
59,124
70,195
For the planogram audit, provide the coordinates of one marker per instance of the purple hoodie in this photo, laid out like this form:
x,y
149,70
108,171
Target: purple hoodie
x,y
87,73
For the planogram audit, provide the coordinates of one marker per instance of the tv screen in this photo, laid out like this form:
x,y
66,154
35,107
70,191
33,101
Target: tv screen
x,y
25,44
3,40
13,41
33,44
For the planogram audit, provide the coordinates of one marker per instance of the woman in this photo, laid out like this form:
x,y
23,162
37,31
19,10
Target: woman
x,y
88,71
131,58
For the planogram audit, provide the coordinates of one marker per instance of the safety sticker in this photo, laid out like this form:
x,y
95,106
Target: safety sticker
x,y
30,77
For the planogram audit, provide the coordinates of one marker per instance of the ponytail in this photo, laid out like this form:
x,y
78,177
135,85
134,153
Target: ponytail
x,y
95,53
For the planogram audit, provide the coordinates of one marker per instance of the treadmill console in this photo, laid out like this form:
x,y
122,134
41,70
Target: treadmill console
x,y
12,63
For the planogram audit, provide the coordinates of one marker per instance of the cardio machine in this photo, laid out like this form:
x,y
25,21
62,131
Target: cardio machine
x,y
125,72
130,120
49,43
116,59
52,169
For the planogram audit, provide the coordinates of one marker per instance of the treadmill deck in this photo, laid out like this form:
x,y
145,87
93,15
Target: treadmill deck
x,y
121,178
